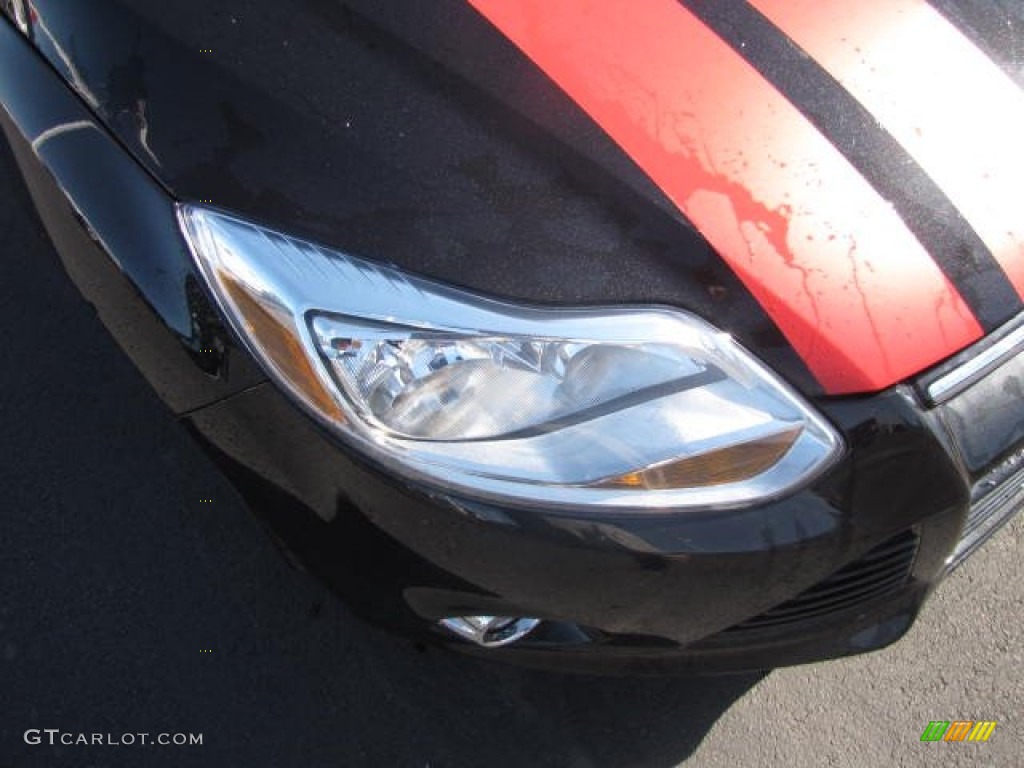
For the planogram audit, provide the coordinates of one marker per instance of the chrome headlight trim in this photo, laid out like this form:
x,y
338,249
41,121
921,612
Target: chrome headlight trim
x,y
294,285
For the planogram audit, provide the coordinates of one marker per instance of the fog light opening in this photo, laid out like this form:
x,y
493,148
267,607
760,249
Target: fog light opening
x,y
490,631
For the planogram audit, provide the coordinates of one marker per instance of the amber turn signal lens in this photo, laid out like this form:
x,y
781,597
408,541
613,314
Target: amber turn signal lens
x,y
282,344
726,465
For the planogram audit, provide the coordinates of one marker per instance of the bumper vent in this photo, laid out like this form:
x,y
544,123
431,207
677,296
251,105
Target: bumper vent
x,y
882,570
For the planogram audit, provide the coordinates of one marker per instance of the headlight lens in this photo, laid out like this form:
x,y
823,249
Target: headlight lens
x,y
615,407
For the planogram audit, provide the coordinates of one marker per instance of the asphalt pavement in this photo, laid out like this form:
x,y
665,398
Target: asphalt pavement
x,y
131,605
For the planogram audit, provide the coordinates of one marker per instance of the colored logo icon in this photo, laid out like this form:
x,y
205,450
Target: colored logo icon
x,y
958,730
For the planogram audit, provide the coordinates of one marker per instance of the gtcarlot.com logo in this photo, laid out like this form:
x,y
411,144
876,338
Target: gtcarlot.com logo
x,y
55,736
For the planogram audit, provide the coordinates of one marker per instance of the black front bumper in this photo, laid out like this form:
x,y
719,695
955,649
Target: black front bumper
x,y
838,568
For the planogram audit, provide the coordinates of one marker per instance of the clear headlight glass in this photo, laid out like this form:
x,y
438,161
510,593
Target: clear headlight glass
x,y
641,408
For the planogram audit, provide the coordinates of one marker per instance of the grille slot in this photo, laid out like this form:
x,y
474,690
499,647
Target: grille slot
x,y
882,570
995,499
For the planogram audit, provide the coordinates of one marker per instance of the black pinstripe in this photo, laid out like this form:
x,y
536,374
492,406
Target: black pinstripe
x,y
996,27
888,167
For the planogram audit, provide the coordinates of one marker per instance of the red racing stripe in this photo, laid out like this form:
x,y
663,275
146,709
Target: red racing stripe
x,y
829,259
952,108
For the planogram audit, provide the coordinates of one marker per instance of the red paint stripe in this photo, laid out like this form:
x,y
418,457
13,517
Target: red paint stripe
x,y
831,262
957,114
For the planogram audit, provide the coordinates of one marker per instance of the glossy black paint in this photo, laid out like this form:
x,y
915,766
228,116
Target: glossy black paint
x,y
411,133
649,584
116,231
626,592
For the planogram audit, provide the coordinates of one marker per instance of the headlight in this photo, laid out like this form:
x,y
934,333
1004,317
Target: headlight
x,y
613,407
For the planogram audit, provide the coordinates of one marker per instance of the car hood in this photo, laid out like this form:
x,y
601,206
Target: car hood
x,y
831,182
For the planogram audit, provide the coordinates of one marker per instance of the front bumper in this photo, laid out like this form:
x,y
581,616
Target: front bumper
x,y
838,568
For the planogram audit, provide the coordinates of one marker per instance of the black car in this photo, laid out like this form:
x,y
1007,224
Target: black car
x,y
627,336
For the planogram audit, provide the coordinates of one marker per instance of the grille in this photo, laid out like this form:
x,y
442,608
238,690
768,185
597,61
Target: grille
x,y
993,501
882,570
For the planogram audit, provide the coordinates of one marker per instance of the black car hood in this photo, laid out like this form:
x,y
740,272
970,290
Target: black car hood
x,y
415,133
